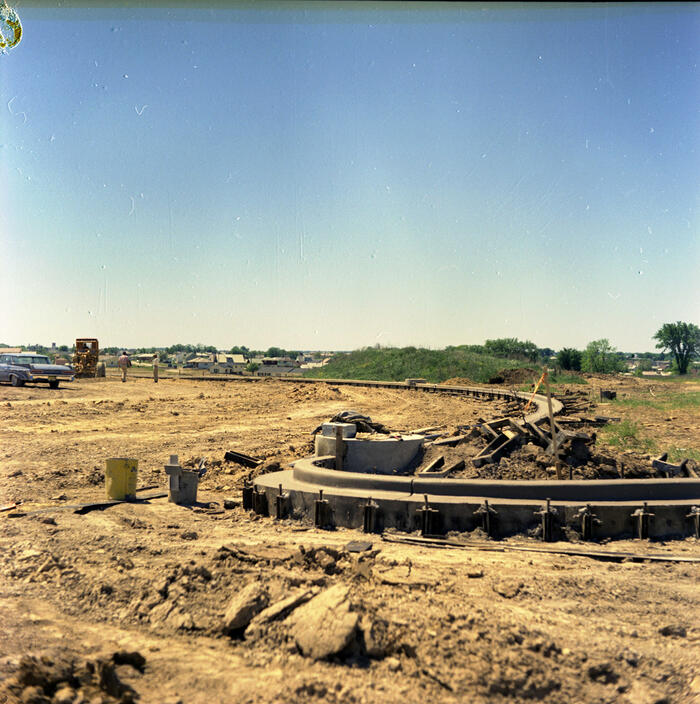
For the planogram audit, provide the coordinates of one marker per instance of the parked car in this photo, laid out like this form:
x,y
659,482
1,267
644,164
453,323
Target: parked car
x,y
21,368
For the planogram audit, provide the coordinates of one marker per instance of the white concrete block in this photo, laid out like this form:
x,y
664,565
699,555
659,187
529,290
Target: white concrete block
x,y
349,429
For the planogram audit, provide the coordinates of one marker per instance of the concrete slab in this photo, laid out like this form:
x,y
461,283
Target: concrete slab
x,y
349,430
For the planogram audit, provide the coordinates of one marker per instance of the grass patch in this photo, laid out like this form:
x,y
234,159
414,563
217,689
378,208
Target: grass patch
x,y
678,454
675,402
626,436
673,379
556,381
564,378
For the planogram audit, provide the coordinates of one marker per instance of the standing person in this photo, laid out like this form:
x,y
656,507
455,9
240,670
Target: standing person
x,y
155,367
123,362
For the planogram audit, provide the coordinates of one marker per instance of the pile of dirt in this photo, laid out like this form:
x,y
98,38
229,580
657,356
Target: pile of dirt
x,y
522,375
64,678
532,462
460,381
315,392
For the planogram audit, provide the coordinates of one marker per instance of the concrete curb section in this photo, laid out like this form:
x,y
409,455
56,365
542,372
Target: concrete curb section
x,y
459,504
619,507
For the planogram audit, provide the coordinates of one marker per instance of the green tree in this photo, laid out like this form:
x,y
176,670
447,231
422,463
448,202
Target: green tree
x,y
252,367
683,339
569,359
512,348
275,352
600,356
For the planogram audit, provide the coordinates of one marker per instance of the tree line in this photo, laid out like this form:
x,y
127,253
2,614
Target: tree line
x,y
680,340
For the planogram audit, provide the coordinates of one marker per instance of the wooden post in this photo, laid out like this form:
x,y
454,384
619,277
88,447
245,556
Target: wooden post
x,y
339,449
555,449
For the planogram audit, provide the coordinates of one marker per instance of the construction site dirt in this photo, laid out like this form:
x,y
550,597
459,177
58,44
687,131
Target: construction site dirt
x,y
154,602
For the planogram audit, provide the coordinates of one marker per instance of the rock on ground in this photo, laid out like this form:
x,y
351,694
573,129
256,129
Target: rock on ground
x,y
245,605
325,625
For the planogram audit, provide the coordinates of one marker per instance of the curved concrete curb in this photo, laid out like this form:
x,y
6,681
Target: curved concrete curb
x,y
457,503
310,472
402,502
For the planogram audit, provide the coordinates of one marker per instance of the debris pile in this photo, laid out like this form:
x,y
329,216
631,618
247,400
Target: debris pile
x,y
61,679
363,423
520,375
509,448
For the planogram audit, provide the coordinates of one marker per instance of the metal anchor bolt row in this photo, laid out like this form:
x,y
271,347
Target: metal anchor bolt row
x,y
431,518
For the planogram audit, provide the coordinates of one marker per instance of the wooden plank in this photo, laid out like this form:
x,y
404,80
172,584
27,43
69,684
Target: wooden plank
x,y
240,458
450,442
574,552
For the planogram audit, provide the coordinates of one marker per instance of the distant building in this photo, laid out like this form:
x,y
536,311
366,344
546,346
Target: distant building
x,y
200,362
143,357
227,363
276,366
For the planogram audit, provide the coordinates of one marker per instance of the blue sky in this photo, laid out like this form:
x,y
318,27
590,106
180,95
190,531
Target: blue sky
x,y
330,176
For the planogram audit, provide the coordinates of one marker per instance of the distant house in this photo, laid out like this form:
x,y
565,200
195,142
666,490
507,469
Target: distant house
x,y
200,362
276,366
11,350
227,363
142,358
313,365
632,363
238,363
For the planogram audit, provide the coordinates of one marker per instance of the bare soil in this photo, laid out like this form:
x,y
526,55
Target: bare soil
x,y
130,603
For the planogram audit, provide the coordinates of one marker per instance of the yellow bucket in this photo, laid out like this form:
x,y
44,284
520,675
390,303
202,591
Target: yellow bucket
x,y
120,478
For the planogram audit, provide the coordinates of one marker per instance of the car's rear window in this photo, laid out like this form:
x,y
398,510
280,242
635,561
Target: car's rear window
x,y
31,359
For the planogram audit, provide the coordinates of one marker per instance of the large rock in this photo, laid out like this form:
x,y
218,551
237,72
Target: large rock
x,y
247,604
277,611
325,625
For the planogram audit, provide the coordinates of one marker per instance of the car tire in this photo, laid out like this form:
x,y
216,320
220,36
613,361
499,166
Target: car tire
x,y
53,384
15,380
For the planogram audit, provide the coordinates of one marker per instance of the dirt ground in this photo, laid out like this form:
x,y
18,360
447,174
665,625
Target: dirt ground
x,y
135,602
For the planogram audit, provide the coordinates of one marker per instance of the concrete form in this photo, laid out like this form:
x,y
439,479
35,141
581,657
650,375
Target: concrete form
x,y
459,503
371,500
383,455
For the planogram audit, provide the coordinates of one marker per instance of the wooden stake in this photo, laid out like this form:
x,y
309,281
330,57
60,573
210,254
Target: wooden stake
x,y
553,430
339,449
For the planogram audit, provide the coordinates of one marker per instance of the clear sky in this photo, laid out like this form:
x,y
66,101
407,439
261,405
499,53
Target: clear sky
x,y
331,176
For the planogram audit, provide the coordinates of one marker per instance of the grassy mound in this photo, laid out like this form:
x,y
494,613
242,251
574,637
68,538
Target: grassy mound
x,y
399,363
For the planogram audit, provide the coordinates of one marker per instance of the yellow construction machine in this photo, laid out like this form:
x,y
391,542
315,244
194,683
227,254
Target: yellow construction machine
x,y
87,351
